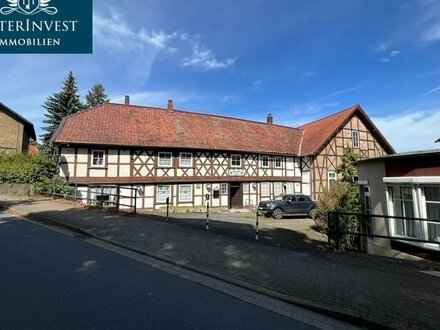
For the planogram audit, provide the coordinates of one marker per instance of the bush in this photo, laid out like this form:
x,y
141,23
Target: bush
x,y
328,201
39,170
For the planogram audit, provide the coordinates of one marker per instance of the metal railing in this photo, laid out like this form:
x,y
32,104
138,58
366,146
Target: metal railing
x,y
100,196
335,230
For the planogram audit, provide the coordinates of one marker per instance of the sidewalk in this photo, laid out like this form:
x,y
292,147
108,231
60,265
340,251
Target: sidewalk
x,y
376,292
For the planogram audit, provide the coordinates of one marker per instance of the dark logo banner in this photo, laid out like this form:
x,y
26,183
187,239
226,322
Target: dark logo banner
x,y
46,26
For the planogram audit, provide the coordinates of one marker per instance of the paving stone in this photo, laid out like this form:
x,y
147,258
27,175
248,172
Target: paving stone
x,y
391,292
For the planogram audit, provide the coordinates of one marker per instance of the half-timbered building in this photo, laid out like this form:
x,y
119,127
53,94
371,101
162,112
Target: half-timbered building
x,y
185,156
325,139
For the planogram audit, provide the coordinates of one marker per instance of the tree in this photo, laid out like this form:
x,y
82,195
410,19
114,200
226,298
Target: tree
x,y
96,96
348,174
59,105
342,196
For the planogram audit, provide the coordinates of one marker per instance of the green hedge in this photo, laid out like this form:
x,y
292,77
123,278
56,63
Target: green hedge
x,y
39,170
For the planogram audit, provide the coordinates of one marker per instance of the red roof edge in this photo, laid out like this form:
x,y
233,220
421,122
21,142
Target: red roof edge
x,y
350,112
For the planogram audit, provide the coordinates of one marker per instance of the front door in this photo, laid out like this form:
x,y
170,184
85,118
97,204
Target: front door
x,y
235,196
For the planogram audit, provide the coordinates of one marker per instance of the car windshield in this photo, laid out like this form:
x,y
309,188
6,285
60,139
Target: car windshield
x,y
281,197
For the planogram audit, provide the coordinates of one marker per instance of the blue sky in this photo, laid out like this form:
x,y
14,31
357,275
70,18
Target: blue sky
x,y
299,60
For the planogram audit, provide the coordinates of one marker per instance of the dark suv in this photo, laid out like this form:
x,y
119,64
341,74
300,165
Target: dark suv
x,y
288,205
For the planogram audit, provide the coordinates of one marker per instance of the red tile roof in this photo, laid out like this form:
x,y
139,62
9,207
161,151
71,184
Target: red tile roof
x,y
128,125
136,126
319,132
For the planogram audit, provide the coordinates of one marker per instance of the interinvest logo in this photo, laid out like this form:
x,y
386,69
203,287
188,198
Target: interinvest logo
x,y
46,26
28,7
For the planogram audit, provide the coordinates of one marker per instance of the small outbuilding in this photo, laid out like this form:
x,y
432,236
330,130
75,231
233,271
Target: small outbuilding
x,y
405,186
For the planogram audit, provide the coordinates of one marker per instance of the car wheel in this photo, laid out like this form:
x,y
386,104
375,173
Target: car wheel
x,y
278,214
312,213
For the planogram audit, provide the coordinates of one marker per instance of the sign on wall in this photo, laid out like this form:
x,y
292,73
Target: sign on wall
x,y
46,26
236,172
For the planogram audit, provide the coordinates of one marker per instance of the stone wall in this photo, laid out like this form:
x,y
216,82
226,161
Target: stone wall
x,y
16,189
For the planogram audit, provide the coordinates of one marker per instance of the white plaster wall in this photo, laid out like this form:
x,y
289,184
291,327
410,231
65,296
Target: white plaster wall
x,y
112,171
66,170
149,191
297,167
198,201
189,171
112,156
277,172
68,153
306,185
124,170
149,202
125,156
81,170
82,156
174,192
97,173
82,194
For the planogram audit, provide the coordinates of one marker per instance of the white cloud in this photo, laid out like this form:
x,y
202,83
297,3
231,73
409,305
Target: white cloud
x,y
436,89
340,92
115,33
381,47
414,130
432,34
228,98
204,59
257,84
159,98
391,54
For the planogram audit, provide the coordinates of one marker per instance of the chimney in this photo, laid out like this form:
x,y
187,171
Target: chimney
x,y
127,100
170,105
270,119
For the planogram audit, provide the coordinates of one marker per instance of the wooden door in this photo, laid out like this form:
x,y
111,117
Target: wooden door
x,y
235,196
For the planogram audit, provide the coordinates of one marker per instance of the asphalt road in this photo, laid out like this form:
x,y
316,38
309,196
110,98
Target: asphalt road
x,y
49,280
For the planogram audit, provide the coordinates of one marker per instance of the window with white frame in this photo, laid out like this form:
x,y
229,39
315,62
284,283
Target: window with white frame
x,y
277,188
163,192
403,206
246,188
265,190
98,158
278,162
355,138
185,193
432,206
235,160
185,159
224,188
165,159
331,177
264,161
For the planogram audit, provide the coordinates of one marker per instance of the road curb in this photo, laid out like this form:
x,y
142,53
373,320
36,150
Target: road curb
x,y
355,319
